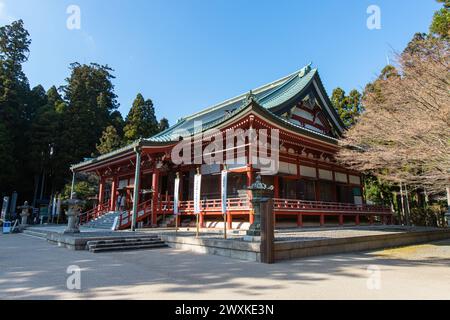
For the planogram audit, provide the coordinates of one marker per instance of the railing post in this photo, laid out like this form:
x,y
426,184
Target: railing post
x,y
300,220
322,220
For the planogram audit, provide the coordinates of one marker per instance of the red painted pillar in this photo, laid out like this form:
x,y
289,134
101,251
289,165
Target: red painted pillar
x,y
249,183
341,219
101,193
357,219
112,203
201,219
322,220
229,221
155,196
299,220
371,219
276,185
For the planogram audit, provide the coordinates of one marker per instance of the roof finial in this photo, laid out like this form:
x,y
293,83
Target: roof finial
x,y
305,70
250,98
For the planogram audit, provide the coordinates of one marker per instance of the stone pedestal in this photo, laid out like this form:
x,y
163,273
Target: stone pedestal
x,y
72,213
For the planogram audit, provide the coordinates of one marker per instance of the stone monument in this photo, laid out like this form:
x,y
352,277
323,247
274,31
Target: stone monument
x,y
25,212
261,193
72,213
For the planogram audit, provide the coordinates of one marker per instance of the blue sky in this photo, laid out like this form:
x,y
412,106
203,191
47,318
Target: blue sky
x,y
188,54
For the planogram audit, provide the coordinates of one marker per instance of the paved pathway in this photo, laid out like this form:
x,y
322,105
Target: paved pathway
x,y
32,268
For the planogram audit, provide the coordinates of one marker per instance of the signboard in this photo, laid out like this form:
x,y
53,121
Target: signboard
x,y
224,179
58,206
54,206
43,211
6,227
4,207
13,205
197,189
176,193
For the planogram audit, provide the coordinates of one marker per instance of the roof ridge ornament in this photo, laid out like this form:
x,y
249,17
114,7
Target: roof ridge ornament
x,y
306,69
249,98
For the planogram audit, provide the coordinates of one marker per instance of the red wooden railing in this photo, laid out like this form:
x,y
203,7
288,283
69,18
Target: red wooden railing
x,y
287,205
94,213
215,205
242,204
143,211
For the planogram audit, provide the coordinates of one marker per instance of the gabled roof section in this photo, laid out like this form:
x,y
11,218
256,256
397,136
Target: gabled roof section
x,y
271,96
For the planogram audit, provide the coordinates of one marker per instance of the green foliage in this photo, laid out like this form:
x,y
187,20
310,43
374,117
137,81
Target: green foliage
x,y
16,111
163,124
348,107
109,141
6,157
86,188
90,98
46,132
440,25
141,120
377,191
432,216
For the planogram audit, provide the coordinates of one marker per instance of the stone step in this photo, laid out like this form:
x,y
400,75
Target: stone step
x,y
131,243
40,234
124,247
125,240
124,244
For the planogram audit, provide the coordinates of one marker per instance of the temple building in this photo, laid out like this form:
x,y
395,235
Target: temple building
x,y
292,118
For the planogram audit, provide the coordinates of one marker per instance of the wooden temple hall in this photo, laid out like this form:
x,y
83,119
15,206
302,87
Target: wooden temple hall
x,y
309,186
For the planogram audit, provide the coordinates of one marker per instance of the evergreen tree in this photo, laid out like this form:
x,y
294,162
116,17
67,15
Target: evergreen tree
x,y
15,113
440,25
117,121
109,141
348,107
141,120
163,124
90,98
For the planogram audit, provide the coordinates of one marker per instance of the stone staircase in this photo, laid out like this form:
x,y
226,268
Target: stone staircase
x,y
131,243
105,221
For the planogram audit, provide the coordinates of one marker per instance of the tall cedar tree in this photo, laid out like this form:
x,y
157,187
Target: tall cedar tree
x,y
109,141
141,120
90,98
15,114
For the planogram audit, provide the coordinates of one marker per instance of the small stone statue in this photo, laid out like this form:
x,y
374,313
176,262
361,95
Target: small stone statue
x,y
25,212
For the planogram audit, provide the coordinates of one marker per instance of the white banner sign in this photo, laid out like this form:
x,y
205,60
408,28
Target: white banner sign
x,y
224,190
197,189
4,207
176,192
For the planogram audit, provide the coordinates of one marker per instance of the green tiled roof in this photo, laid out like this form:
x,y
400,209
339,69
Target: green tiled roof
x,y
268,96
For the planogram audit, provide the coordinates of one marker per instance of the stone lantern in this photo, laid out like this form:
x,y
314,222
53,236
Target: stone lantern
x,y
25,212
261,193
72,213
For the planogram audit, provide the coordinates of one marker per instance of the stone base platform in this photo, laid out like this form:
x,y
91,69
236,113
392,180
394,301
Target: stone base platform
x,y
289,243
78,241
298,243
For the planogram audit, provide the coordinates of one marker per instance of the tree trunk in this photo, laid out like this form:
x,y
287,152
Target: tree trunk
x,y
402,200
